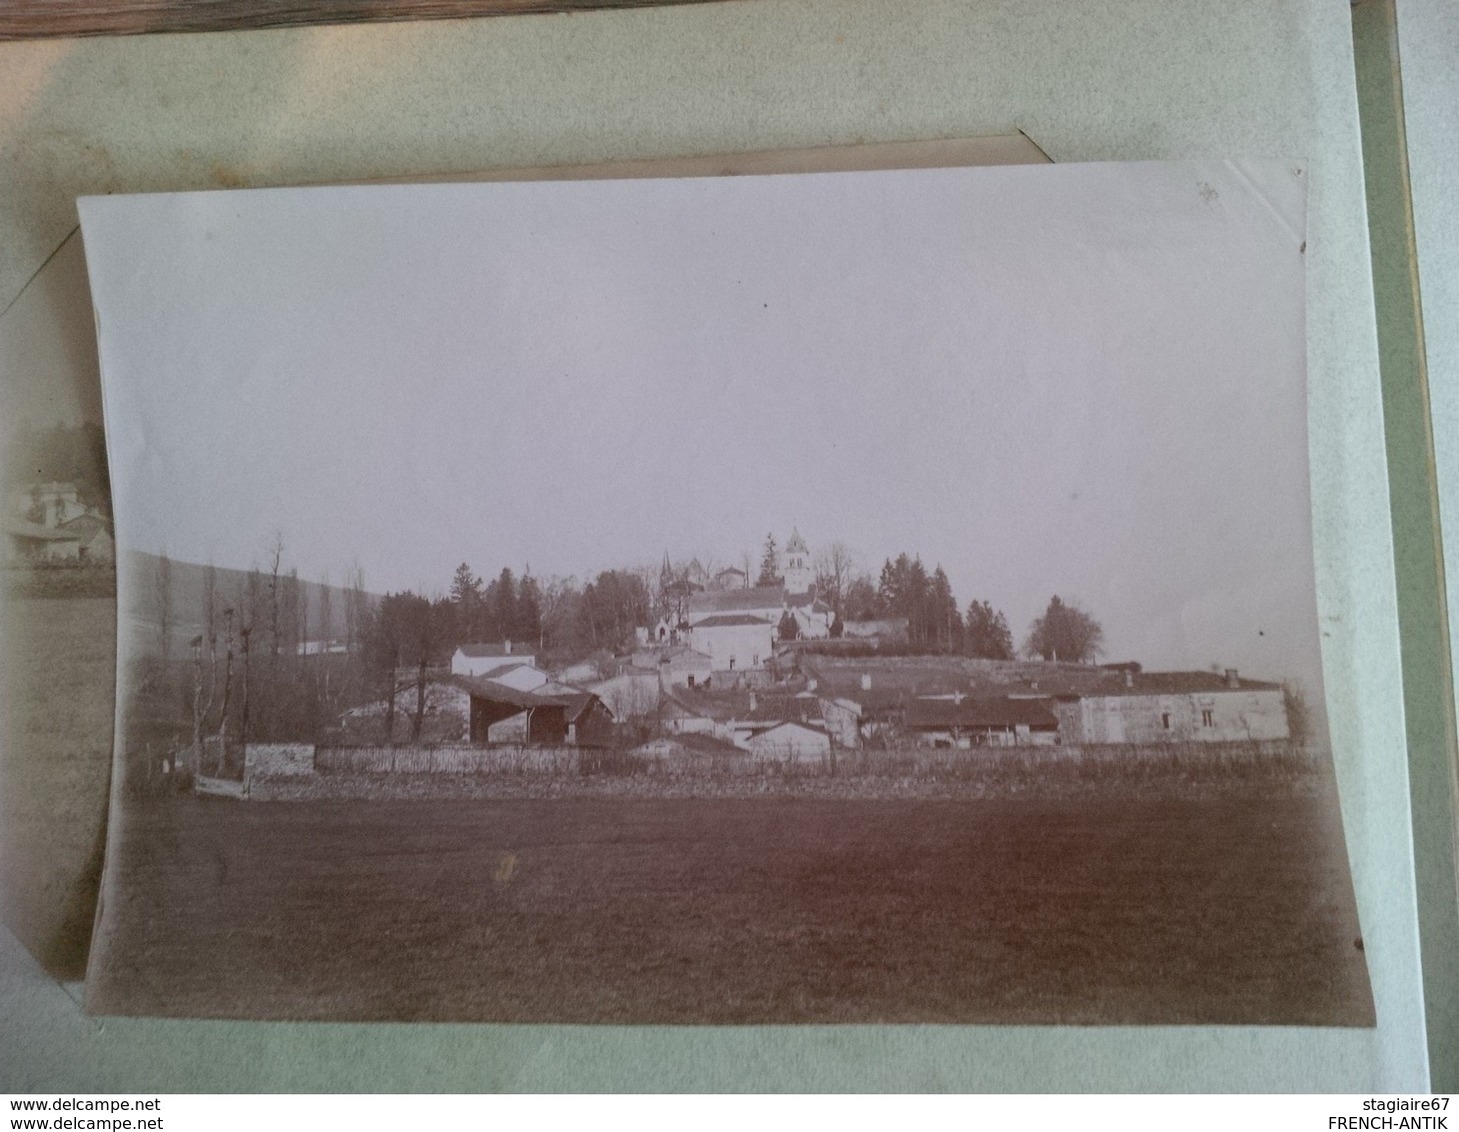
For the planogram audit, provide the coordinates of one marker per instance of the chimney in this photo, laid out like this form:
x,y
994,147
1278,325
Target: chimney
x,y
1129,678
752,701
1231,680
866,681
811,684
507,647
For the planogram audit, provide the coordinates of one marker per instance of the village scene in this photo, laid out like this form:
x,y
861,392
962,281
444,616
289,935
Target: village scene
x,y
704,793
801,665
718,601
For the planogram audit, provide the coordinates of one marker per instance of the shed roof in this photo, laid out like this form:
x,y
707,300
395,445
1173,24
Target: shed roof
x,y
481,688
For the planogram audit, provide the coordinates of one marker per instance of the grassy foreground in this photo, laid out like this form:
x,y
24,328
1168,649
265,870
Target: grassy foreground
x,y
1093,909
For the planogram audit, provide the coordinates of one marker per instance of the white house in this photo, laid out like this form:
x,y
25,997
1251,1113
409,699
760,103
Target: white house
x,y
679,666
791,741
479,659
734,641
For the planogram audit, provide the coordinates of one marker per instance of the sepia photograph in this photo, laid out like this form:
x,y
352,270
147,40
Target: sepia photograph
x,y
863,597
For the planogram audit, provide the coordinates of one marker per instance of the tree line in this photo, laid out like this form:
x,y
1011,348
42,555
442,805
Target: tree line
x,y
906,590
266,665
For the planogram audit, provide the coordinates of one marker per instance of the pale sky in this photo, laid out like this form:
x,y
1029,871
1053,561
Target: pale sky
x,y
1086,380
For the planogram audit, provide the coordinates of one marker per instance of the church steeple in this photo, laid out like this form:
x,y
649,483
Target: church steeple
x,y
799,577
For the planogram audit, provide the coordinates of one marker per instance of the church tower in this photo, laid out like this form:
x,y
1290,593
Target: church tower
x,y
799,577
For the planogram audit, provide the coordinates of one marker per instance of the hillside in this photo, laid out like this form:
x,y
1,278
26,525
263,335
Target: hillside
x,y
141,604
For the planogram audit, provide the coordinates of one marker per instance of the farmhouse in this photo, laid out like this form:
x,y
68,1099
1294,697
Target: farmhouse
x,y
983,721
1172,707
790,741
479,659
680,716
734,641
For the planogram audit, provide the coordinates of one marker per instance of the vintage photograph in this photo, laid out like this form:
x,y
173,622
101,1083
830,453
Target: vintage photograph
x,y
876,597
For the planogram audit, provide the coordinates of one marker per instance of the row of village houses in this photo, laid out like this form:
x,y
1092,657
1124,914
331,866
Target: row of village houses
x,y
669,695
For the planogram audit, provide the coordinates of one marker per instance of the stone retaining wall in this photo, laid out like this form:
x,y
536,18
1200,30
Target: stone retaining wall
x,y
448,760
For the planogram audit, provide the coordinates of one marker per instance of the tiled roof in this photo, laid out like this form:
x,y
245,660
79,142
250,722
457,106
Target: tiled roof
x,y
726,620
1097,682
499,648
979,712
804,725
502,669
577,704
731,601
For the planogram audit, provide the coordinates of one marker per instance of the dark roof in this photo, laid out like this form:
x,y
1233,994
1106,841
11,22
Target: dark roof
x,y
728,619
1097,682
798,709
578,704
682,708
498,648
730,601
484,689
979,712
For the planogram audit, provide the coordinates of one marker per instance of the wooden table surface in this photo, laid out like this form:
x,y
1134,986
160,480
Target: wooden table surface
x,y
40,19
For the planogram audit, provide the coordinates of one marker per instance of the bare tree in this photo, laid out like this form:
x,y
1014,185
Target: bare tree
x,y
244,634
1299,713
354,607
276,559
162,595
326,613
835,568
227,678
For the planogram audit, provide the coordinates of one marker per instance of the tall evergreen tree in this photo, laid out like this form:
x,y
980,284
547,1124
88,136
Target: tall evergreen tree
x,y
986,633
769,564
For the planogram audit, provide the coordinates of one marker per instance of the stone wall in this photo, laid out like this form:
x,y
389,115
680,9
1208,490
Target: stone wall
x,y
447,760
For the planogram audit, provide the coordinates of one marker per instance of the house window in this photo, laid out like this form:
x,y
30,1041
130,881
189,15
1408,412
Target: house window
x,y
1207,718
755,661
690,680
732,664
1165,720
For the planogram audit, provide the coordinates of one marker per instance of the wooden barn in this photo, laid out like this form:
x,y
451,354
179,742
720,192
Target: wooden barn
x,y
503,714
